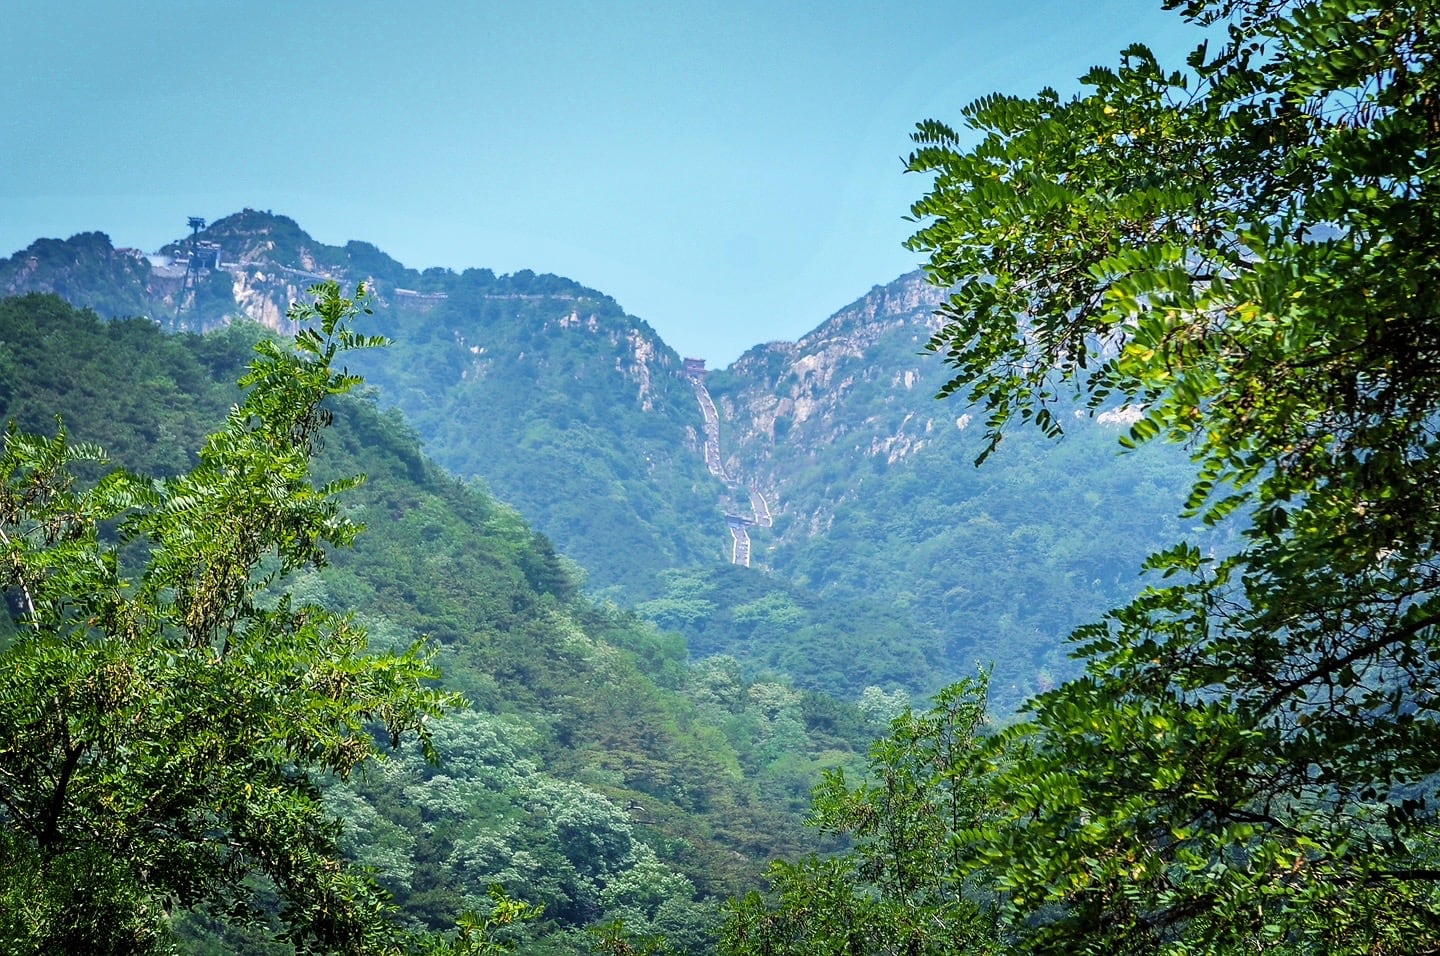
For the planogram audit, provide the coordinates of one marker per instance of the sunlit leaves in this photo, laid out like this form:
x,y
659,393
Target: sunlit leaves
x,y
1242,253
170,721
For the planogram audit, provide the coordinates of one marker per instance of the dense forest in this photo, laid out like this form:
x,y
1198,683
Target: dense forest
x,y
588,768
553,399
279,682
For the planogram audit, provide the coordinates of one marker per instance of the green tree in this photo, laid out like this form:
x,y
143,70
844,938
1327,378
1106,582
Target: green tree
x,y
903,888
167,706
489,935
1244,253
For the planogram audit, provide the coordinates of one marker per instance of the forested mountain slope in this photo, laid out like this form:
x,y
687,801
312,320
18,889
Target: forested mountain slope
x,y
594,771
568,408
874,491
891,562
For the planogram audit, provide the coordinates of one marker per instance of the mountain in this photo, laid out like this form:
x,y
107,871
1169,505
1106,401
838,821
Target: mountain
x,y
564,405
594,770
878,555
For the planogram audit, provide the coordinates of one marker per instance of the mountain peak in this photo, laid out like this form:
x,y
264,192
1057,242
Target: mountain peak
x,y
251,235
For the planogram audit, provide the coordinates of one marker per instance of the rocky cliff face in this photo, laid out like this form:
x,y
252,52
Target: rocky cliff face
x,y
263,297
835,472
859,385
871,485
567,407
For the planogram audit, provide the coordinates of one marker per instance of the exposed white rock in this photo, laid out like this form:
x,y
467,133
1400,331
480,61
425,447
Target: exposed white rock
x,y
643,351
1124,415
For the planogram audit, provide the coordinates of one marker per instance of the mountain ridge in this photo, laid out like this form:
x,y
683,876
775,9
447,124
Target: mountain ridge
x,y
593,770
583,418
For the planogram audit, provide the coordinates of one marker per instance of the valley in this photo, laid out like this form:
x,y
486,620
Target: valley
x,y
1073,589
735,577
841,481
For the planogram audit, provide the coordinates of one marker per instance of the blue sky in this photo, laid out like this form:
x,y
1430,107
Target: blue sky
x,y
730,172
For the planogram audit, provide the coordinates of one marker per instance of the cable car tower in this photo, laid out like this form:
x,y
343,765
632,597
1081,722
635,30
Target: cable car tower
x,y
192,272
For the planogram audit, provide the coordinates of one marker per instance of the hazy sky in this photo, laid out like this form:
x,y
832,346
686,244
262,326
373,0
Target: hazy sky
x,y
730,172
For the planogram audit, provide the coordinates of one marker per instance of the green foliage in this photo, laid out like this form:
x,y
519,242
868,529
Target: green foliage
x,y
903,887
572,683
569,409
150,401
826,643
592,703
486,935
78,901
1242,252
166,722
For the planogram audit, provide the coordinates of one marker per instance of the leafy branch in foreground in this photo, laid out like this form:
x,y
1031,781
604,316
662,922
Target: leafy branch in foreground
x,y
168,705
1246,254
